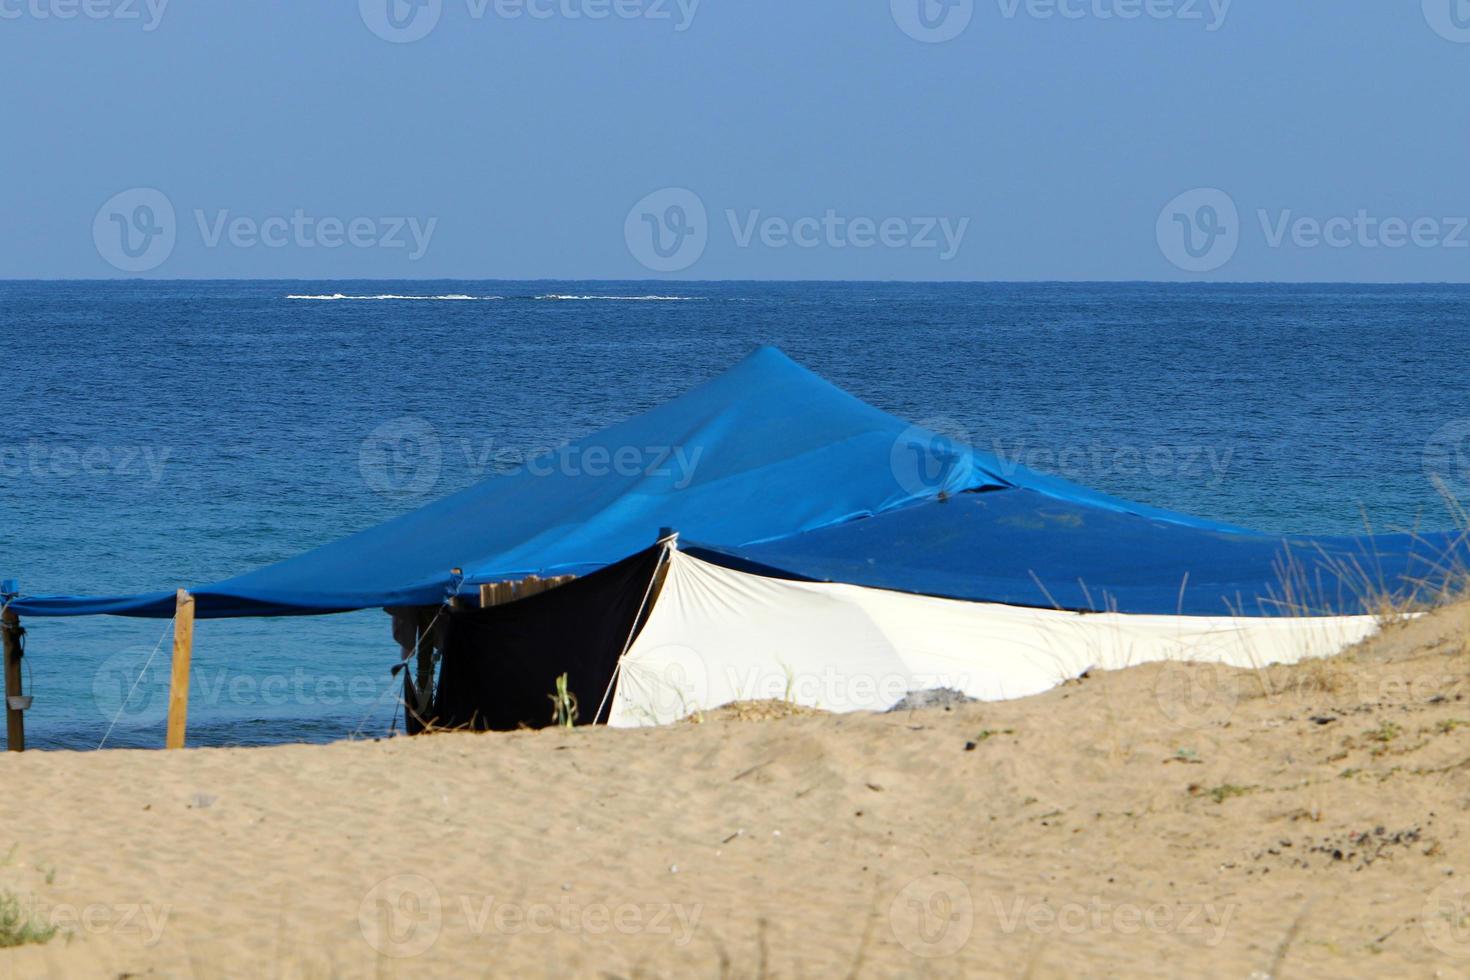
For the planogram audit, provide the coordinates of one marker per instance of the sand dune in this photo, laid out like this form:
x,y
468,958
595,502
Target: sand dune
x,y
1159,821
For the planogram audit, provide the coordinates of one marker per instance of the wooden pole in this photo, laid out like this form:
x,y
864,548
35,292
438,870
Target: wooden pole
x,y
15,722
178,688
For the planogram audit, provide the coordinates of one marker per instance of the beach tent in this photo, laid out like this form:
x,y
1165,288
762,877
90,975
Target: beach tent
x,y
762,452
799,505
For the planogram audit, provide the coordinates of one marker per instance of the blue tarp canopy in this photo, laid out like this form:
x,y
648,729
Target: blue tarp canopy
x,y
766,463
1026,548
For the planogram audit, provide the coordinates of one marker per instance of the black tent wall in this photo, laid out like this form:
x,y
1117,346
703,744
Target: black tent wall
x,y
501,664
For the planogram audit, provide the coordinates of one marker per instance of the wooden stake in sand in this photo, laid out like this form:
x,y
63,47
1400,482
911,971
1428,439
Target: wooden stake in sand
x,y
178,687
15,722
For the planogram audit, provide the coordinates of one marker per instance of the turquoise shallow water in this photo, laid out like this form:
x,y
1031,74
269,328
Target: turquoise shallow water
x,y
166,433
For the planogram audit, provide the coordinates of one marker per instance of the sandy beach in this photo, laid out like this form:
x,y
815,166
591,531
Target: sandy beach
x,y
1158,821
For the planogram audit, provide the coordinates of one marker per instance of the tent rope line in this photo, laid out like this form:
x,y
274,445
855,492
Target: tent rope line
x,y
618,667
392,684
136,681
403,665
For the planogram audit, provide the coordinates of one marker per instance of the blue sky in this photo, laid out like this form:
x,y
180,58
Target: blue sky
x,y
708,139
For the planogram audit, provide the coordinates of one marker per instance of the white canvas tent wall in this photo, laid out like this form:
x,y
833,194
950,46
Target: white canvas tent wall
x,y
716,635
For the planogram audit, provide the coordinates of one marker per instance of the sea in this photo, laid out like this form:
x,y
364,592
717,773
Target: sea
x,y
163,434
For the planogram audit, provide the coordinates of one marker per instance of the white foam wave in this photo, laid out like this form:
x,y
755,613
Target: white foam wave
x,y
459,297
621,299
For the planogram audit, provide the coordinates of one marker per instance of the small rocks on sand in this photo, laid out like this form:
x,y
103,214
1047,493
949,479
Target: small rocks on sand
x,y
940,697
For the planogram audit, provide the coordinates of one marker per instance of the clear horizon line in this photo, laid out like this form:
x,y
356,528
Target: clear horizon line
x,y
601,279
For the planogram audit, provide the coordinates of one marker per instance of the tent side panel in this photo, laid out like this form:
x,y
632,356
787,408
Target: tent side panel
x,y
718,635
501,663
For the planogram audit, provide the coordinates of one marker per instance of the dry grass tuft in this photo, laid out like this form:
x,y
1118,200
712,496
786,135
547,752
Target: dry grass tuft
x,y
19,925
1326,675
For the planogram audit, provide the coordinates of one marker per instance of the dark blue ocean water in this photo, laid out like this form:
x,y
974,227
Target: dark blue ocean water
x,y
159,434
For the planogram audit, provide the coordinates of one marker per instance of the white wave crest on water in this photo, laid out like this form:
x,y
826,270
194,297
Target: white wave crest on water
x,y
458,297
621,299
